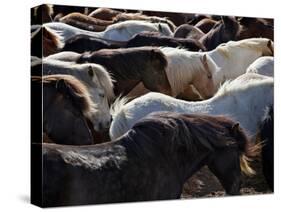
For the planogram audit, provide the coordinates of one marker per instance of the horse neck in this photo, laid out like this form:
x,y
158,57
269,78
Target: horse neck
x,y
180,76
229,68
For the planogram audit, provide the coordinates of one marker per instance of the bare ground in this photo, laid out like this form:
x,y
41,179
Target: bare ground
x,y
205,184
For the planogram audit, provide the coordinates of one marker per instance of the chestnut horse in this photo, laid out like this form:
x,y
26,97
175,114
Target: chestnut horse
x,y
85,22
165,149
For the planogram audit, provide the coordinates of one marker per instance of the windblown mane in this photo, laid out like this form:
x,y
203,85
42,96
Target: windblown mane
x,y
73,88
195,131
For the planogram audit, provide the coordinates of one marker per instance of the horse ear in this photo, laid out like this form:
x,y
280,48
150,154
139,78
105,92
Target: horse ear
x,y
204,60
235,128
160,28
61,85
91,71
269,43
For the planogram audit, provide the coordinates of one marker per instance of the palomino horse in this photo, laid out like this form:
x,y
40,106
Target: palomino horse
x,y
165,149
122,31
187,71
67,109
266,136
245,51
96,79
131,66
253,90
263,65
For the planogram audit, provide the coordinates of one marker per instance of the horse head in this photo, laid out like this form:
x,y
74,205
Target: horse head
x,y
65,109
203,81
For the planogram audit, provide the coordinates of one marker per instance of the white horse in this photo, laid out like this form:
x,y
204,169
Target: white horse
x,y
263,65
234,57
122,31
186,70
243,99
96,79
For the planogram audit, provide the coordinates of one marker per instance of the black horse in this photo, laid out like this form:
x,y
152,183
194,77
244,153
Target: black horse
x,y
150,162
266,136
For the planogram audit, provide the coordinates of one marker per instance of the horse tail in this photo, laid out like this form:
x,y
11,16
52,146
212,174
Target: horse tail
x,y
249,151
119,116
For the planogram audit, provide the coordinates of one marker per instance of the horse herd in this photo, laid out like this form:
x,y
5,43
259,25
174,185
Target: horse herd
x,y
170,92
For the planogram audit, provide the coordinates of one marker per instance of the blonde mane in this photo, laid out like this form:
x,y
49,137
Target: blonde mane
x,y
185,65
255,44
106,81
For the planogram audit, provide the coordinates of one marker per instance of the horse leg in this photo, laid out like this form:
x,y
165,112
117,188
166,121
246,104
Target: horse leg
x,y
225,165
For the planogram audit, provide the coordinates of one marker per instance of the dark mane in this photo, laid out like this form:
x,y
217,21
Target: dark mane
x,y
155,39
198,131
225,30
82,43
125,63
70,87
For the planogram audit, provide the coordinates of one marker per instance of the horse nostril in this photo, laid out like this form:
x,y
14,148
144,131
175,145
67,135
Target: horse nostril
x,y
111,119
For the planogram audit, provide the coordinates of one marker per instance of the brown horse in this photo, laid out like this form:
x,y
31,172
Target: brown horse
x,y
104,13
45,38
188,31
255,27
85,22
67,109
155,39
165,149
206,24
131,66
225,30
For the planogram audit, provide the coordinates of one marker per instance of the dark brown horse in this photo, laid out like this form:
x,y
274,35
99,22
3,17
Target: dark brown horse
x,y
255,27
155,39
266,136
165,149
131,66
66,109
84,43
225,30
206,24
85,22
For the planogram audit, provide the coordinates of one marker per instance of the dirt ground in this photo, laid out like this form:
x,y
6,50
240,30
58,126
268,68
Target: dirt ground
x,y
204,184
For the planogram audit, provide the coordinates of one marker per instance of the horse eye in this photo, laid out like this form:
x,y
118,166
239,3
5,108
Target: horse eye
x,y
101,95
209,76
